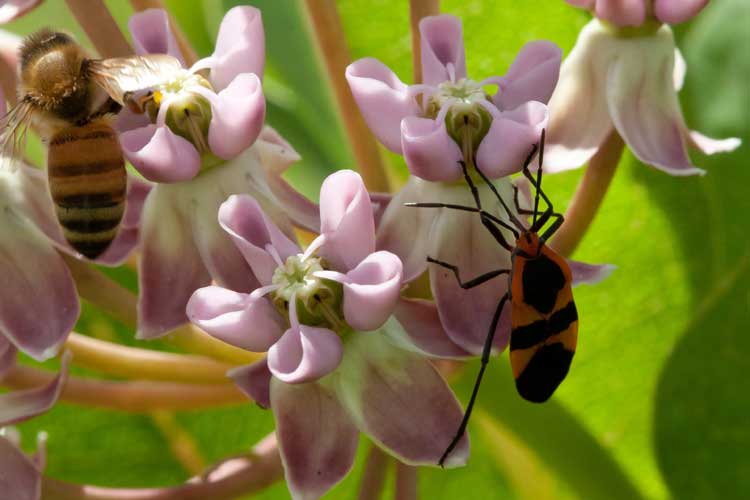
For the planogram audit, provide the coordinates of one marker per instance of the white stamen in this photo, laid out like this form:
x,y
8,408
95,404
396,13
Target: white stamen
x,y
274,254
263,291
314,246
201,64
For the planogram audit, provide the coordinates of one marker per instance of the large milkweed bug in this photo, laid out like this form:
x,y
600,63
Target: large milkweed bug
x,y
544,320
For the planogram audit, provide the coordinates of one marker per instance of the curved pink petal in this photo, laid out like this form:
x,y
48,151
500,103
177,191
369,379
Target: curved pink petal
x,y
579,119
20,478
589,274
152,34
317,439
18,406
510,139
422,328
304,354
430,153
170,266
400,401
240,46
371,291
532,76
237,116
346,220
242,217
382,98
622,12
8,354
236,318
442,49
255,381
645,110
459,238
40,305
276,154
12,9
677,11
160,155
710,146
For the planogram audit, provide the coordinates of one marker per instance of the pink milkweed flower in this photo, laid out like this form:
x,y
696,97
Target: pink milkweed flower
x,y
229,152
623,74
337,362
13,9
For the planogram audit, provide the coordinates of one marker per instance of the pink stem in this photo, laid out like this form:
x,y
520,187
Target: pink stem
x,y
376,466
406,482
417,10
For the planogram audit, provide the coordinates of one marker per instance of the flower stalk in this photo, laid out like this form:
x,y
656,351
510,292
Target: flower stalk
x,y
417,10
100,27
373,477
406,482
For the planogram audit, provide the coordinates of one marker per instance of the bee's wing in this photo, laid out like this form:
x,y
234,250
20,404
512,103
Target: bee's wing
x,y
117,76
13,127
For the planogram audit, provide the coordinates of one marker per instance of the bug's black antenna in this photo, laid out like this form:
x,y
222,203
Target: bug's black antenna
x,y
538,178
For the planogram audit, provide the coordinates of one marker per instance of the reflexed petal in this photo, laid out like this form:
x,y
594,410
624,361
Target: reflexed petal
x,y
152,34
316,437
304,354
372,289
236,318
382,98
159,154
589,274
251,230
622,12
127,236
429,151
510,139
346,220
255,381
400,401
40,305
419,325
237,116
579,118
442,45
18,406
532,76
276,154
11,9
170,266
709,146
405,231
677,11
240,46
7,356
20,479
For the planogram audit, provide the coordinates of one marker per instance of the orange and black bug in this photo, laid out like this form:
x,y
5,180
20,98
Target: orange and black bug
x,y
544,320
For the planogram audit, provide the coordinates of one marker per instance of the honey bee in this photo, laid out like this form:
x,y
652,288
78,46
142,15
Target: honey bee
x,y
70,101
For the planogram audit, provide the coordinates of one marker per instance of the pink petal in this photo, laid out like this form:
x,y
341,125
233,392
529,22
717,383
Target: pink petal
x,y
579,119
7,356
430,153
240,46
251,230
645,110
532,76
589,274
405,231
382,98
255,381
400,401
305,354
422,328
380,202
317,439
12,9
346,220
372,289
276,154
710,146
152,34
237,116
20,479
510,139
170,266
31,184
442,45
9,45
160,155
18,406
677,11
236,318
40,303
622,12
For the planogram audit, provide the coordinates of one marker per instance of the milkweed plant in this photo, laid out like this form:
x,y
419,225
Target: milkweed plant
x,y
247,272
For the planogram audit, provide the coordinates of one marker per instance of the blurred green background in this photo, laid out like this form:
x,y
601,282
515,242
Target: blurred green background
x,y
656,404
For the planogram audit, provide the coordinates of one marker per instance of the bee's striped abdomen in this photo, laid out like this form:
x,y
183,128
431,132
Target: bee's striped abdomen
x,y
88,184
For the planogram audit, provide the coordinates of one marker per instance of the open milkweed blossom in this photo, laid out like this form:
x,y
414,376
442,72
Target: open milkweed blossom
x,y
623,74
207,143
324,316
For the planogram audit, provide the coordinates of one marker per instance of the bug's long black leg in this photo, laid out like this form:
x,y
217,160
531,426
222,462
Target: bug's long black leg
x,y
485,215
559,219
496,233
485,359
482,278
474,190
